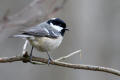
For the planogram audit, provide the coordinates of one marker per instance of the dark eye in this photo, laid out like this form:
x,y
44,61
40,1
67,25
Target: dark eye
x,y
60,24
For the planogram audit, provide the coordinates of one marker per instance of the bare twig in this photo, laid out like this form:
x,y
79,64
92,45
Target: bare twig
x,y
57,8
32,13
61,58
37,63
5,17
62,64
24,47
69,55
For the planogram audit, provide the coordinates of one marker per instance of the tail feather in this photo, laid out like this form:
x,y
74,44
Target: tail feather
x,y
21,36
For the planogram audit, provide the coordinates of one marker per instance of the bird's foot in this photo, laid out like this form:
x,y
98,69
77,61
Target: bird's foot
x,y
30,59
50,60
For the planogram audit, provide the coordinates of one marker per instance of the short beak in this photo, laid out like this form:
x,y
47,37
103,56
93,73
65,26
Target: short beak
x,y
67,29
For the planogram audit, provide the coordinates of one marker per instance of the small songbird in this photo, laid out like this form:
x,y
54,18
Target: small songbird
x,y
45,36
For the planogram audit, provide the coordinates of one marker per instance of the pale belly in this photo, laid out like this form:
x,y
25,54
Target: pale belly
x,y
45,44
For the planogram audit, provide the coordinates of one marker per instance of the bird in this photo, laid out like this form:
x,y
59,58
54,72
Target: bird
x,y
46,36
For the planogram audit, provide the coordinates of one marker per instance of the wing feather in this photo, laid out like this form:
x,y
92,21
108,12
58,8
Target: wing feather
x,y
41,30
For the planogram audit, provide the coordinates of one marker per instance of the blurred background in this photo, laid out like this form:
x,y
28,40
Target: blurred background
x,y
94,28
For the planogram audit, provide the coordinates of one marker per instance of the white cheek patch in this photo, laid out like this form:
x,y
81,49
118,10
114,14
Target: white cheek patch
x,y
56,27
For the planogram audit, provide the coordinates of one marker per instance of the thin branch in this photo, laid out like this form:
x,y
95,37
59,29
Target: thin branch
x,y
69,55
62,64
57,8
5,16
24,47
61,58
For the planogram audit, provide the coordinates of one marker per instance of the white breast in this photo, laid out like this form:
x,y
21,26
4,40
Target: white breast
x,y
46,44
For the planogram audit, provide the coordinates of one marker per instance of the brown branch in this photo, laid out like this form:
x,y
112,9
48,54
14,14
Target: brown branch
x,y
32,13
25,58
57,8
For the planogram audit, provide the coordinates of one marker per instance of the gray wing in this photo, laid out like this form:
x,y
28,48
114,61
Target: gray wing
x,y
41,30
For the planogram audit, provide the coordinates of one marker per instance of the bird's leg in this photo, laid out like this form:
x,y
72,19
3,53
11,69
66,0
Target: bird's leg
x,y
31,53
49,58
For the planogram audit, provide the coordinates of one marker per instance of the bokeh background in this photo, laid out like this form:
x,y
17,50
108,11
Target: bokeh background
x,y
95,28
